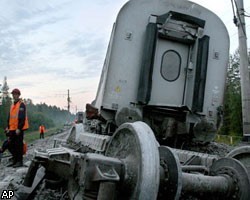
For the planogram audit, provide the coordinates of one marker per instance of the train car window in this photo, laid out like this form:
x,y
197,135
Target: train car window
x,y
170,65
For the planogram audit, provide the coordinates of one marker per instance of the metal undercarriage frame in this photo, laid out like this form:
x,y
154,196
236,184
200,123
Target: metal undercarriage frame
x,y
134,166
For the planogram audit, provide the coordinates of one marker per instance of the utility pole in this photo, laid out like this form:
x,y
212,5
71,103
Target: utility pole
x,y
68,100
1,100
244,71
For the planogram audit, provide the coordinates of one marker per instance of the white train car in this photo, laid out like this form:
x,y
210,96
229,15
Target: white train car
x,y
165,65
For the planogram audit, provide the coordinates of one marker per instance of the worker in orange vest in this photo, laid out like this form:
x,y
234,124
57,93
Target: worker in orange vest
x,y
17,124
41,130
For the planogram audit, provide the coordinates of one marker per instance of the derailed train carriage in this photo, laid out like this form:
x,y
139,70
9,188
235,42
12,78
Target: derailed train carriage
x,y
161,86
166,65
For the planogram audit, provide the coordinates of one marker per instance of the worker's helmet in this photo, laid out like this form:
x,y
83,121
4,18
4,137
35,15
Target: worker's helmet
x,y
16,91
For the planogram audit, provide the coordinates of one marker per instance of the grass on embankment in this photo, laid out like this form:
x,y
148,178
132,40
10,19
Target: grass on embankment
x,y
30,136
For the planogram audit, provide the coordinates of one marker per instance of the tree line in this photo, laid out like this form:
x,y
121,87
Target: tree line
x,y
232,111
49,116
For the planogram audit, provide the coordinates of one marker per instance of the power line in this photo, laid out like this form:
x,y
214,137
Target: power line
x,y
235,18
239,14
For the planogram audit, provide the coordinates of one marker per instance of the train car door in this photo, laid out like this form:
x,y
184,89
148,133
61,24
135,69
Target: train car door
x,y
169,73
168,43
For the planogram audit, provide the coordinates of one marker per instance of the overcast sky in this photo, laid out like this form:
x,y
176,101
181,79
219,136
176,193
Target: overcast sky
x,y
50,46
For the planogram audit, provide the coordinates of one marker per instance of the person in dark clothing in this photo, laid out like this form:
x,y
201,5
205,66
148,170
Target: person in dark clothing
x,y
5,146
17,124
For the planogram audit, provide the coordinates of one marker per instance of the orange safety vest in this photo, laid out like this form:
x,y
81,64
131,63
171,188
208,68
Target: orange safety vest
x,y
13,121
42,129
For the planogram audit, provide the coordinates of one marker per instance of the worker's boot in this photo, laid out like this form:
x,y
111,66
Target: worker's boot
x,y
18,164
11,164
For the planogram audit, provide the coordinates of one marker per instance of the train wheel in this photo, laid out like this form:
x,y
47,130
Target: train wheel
x,y
238,173
171,185
243,155
135,144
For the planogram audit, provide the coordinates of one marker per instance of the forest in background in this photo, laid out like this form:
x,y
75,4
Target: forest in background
x,y
49,116
232,109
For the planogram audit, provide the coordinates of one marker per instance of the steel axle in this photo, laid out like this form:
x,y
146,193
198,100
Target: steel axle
x,y
227,178
134,166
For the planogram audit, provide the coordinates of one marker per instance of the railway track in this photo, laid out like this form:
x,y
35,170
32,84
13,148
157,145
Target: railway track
x,y
10,178
52,187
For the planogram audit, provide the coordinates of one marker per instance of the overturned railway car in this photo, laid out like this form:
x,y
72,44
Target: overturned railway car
x,y
166,65
161,89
